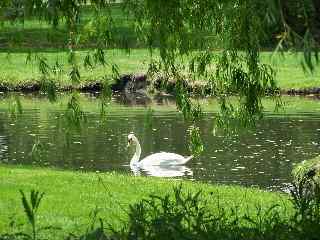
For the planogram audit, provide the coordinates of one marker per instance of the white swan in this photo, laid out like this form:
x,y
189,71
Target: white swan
x,y
156,159
163,171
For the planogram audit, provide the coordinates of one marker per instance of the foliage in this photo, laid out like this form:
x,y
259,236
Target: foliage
x,y
193,29
105,97
49,87
188,215
307,169
38,150
237,28
31,208
306,200
300,29
15,106
217,42
195,143
180,217
74,117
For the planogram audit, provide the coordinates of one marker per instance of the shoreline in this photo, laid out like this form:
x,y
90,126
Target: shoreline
x,y
133,79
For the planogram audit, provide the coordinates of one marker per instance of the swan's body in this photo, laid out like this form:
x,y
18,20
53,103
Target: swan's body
x,y
156,159
164,158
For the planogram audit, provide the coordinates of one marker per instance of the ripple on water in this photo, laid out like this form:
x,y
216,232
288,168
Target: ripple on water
x,y
262,157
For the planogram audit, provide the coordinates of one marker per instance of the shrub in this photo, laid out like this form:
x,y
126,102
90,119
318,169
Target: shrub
x,y
186,215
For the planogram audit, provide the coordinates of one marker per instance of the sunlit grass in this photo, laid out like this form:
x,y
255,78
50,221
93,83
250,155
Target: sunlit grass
x,y
15,71
70,197
289,71
33,35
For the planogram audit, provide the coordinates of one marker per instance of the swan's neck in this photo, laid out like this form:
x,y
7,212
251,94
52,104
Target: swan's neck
x,y
135,159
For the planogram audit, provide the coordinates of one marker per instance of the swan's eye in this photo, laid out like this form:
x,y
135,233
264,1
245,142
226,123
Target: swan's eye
x,y
129,141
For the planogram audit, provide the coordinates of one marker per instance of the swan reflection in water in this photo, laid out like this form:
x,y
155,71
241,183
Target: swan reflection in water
x,y
160,164
163,171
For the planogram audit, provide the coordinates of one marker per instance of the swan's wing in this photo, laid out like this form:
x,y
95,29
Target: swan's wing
x,y
163,158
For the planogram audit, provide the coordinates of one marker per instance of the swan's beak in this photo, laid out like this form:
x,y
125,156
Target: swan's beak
x,y
129,143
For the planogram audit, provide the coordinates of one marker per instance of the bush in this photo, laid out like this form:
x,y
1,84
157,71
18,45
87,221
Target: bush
x,y
307,169
186,215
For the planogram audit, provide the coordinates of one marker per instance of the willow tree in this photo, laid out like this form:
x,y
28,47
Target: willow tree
x,y
222,41
218,42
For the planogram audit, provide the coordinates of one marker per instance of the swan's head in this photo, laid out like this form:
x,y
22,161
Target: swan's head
x,y
131,139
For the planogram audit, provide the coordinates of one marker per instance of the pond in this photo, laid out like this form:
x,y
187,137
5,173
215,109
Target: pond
x,y
262,157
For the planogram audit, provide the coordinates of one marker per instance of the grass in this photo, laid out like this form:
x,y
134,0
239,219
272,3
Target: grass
x,y
72,197
289,71
15,71
37,36
34,34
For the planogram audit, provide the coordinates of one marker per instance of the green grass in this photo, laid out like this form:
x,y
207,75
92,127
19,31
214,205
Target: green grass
x,y
289,71
70,197
32,35
15,71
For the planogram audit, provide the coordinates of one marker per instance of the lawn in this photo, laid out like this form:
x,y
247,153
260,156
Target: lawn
x,y
15,71
18,39
72,197
289,71
34,34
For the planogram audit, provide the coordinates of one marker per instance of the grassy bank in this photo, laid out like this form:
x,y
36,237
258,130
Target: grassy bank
x,y
17,39
32,34
289,71
72,197
15,71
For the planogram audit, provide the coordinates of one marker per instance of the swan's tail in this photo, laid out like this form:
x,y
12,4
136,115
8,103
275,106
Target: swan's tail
x,y
188,158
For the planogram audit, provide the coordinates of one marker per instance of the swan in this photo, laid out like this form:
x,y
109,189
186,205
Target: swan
x,y
163,171
156,159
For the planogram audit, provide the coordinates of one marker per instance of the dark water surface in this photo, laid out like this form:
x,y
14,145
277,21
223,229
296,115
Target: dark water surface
x,y
263,157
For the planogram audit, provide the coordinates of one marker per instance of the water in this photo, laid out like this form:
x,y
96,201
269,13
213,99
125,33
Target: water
x,y
263,157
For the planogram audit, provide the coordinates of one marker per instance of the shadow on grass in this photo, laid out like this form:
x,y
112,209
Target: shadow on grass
x,y
186,215
56,40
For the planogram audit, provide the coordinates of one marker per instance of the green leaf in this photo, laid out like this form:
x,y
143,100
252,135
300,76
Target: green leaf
x,y
195,143
75,75
27,208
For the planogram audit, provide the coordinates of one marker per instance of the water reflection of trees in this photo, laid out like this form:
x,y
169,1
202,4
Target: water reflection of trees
x,y
259,157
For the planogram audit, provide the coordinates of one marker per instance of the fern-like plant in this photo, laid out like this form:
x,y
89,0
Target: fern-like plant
x,y
31,207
